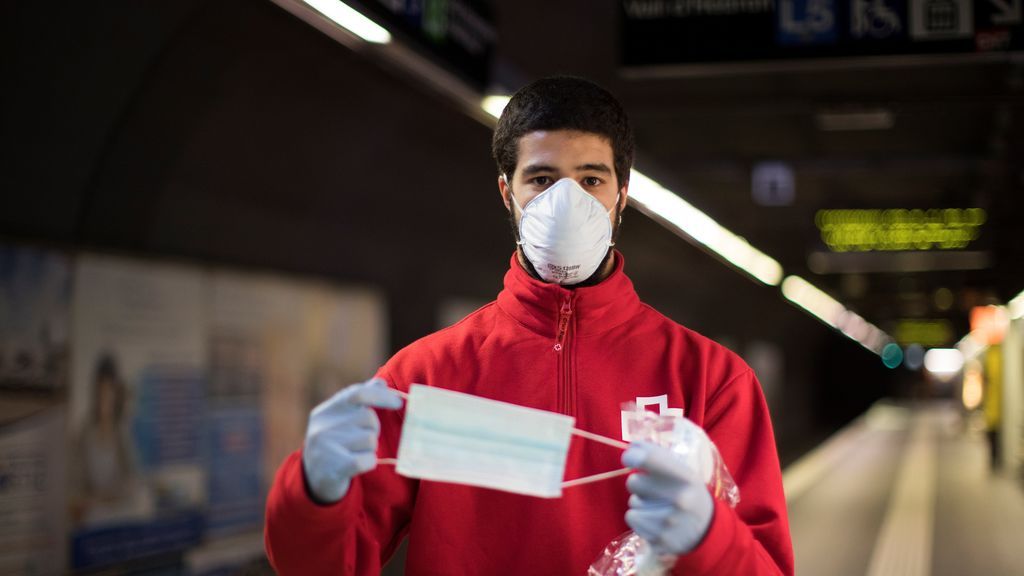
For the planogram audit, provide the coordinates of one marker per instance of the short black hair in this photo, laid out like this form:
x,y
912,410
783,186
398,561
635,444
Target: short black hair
x,y
563,103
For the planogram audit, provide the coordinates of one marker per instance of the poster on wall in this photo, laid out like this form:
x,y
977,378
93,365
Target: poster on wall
x,y
32,489
277,348
35,298
251,330
136,406
340,337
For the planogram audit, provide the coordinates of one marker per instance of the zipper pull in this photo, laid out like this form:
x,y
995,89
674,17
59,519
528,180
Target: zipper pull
x,y
563,323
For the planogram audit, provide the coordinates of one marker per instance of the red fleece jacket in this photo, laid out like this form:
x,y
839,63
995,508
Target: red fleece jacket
x,y
581,352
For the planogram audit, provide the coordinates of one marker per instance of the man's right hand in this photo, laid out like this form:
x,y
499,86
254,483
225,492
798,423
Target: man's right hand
x,y
341,438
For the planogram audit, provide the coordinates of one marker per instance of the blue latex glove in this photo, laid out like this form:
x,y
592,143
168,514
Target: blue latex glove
x,y
341,438
670,506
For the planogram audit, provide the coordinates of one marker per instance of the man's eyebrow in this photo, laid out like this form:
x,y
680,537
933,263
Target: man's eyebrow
x,y
592,167
537,168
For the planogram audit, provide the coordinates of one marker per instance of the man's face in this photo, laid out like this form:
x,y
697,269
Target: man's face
x,y
545,157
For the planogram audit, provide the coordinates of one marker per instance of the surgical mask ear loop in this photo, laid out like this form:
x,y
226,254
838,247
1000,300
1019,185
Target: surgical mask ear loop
x,y
596,477
604,475
576,432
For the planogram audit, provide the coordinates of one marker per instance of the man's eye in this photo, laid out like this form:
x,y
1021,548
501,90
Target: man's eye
x,y
541,180
592,181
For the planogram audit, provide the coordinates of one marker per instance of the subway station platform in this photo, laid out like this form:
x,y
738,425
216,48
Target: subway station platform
x,y
907,490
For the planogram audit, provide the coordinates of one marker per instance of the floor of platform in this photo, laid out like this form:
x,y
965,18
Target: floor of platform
x,y
905,490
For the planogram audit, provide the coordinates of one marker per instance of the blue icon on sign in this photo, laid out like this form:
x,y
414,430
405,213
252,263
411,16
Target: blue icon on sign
x,y
875,20
806,22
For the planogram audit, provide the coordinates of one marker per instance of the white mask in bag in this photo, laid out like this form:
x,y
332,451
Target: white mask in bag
x,y
565,232
453,437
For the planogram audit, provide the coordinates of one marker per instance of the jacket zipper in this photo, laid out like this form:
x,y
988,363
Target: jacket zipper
x,y
564,361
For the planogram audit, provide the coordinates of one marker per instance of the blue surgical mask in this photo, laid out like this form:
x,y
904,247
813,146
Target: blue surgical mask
x,y
454,437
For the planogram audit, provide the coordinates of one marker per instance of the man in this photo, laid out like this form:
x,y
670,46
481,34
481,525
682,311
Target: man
x,y
567,334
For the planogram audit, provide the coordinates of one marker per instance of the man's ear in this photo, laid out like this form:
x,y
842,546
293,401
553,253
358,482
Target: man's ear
x,y
504,189
623,197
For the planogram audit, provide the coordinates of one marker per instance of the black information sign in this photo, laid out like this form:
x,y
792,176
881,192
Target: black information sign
x,y
689,31
458,33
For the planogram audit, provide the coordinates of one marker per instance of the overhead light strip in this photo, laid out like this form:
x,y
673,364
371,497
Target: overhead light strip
x,y
350,19
494,104
654,199
830,311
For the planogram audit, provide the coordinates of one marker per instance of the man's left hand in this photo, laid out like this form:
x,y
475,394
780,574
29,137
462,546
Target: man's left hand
x,y
670,507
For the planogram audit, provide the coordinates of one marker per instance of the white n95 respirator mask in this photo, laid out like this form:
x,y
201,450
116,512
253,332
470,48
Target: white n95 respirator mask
x,y
565,232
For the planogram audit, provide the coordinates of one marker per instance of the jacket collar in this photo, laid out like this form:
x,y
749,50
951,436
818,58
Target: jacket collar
x,y
536,305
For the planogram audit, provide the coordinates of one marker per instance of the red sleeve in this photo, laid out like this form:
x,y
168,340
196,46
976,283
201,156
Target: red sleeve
x,y
752,539
354,536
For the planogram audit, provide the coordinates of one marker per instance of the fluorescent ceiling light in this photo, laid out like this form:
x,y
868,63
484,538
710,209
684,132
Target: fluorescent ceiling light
x,y
348,18
655,200
814,300
854,120
943,361
831,312
494,104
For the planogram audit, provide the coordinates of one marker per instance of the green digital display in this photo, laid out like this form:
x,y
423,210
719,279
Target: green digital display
x,y
928,333
900,229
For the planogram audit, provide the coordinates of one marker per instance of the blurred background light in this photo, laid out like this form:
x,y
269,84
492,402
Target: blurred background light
x,y
892,355
348,18
913,357
989,323
973,388
944,299
943,361
494,104
772,183
811,298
